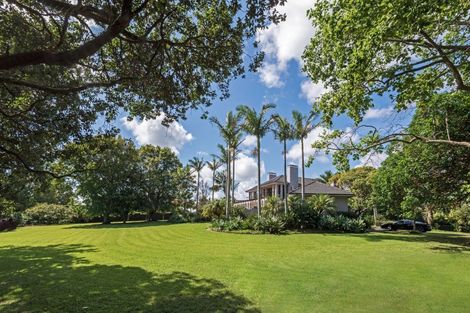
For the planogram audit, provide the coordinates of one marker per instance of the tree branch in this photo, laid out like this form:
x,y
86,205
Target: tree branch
x,y
67,58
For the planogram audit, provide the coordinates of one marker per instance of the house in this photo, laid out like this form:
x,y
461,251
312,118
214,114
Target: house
x,y
274,186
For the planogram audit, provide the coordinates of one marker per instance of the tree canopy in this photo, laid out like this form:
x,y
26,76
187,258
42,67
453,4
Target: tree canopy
x,y
64,63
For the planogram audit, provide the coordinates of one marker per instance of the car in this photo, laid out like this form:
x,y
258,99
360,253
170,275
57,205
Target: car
x,y
407,225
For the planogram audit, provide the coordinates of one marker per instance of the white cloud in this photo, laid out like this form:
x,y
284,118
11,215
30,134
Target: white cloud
x,y
311,91
373,113
153,132
249,141
373,159
246,170
285,41
295,152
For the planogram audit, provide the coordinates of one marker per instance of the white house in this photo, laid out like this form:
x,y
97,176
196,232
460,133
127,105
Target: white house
x,y
274,186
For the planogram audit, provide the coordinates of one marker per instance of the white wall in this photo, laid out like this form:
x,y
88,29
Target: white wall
x,y
341,203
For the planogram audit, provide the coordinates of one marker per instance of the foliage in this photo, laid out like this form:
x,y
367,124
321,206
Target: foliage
x,y
178,217
257,124
461,217
45,214
214,209
264,224
406,49
359,181
272,206
342,223
158,168
147,58
8,224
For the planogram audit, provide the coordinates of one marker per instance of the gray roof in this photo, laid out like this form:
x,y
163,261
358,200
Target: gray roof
x,y
280,179
315,187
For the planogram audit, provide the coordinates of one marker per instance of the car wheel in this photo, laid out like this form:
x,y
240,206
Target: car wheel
x,y
421,229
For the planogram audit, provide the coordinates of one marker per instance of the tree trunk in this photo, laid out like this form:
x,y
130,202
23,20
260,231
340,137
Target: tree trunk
x,y
197,193
285,177
303,169
227,183
233,178
106,218
258,155
213,184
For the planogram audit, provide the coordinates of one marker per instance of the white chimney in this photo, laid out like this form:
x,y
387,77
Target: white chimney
x,y
292,176
271,175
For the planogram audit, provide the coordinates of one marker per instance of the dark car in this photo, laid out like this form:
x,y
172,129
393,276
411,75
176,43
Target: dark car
x,y
407,225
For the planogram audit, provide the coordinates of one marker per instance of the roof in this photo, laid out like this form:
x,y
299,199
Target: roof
x,y
280,179
316,187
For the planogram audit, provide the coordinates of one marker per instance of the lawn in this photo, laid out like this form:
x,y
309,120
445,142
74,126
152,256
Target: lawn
x,y
159,267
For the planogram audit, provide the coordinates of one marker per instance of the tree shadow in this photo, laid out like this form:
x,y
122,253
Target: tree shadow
x,y
447,242
56,279
132,224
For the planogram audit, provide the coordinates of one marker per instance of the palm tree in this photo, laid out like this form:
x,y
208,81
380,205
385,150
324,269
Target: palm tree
x,y
325,177
230,133
283,131
197,164
257,124
302,127
213,166
237,141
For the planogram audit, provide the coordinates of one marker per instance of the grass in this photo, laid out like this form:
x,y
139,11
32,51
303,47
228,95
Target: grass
x,y
158,267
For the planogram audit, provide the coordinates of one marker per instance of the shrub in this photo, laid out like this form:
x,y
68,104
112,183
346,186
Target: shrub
x,y
342,223
461,218
270,224
271,206
45,213
222,224
177,218
301,215
238,211
214,209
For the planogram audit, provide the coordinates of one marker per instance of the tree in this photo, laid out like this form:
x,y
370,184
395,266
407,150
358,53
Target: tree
x,y
185,187
213,165
197,164
113,186
325,177
406,50
359,181
230,132
65,63
283,131
256,124
424,177
158,166
303,125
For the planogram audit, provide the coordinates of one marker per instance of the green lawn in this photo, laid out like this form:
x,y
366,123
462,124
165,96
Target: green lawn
x,y
156,267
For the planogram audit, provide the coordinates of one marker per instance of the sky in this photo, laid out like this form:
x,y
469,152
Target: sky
x,y
280,81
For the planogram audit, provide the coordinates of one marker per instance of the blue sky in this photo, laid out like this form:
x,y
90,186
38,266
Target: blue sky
x,y
279,81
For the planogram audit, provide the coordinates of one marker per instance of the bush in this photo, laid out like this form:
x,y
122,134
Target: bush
x,y
301,215
238,211
177,218
342,223
267,224
46,214
270,224
272,206
461,218
214,209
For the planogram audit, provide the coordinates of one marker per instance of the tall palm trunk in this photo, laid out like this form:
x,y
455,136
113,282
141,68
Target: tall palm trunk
x,y
303,169
197,193
227,183
285,177
213,184
233,177
258,153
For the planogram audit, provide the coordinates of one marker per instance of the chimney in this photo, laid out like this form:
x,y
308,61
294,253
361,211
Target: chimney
x,y
271,175
292,176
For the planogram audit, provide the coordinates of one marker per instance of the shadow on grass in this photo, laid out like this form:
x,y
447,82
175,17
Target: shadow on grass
x,y
55,279
448,242
132,224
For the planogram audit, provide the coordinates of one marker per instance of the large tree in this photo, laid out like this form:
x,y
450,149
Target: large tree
x,y
283,132
302,126
197,164
63,63
404,50
257,124
214,165
159,183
